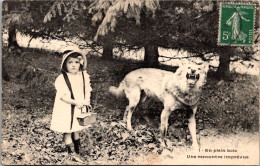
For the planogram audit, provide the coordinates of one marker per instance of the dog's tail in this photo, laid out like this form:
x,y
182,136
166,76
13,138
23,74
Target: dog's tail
x,y
117,91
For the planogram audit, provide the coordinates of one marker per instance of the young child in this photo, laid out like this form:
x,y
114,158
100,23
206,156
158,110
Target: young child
x,y
67,107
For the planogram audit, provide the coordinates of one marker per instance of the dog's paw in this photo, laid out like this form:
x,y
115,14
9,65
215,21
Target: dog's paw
x,y
122,123
166,153
129,128
163,143
195,148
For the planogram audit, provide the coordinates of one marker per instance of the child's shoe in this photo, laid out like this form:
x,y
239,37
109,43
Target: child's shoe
x,y
73,154
77,158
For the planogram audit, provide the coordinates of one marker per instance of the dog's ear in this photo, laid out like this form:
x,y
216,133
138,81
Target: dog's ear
x,y
179,63
206,66
185,61
179,70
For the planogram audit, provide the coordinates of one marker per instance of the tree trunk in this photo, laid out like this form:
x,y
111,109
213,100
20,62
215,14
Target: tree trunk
x,y
223,71
11,6
107,50
12,40
5,74
151,55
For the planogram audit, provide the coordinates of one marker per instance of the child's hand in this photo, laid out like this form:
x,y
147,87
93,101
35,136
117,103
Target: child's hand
x,y
79,105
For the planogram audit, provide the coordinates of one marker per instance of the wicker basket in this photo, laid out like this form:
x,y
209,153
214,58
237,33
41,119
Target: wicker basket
x,y
88,117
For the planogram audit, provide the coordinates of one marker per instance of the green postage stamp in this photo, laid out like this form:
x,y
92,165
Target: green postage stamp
x,y
236,24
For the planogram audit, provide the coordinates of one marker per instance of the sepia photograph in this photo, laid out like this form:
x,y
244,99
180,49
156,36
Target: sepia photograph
x,y
130,82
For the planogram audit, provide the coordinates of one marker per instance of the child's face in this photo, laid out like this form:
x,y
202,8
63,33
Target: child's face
x,y
73,65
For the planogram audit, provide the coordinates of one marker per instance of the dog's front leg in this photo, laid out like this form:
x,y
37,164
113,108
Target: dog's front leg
x,y
126,114
192,128
164,124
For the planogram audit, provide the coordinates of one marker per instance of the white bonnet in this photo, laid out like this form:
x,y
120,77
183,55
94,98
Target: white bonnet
x,y
82,58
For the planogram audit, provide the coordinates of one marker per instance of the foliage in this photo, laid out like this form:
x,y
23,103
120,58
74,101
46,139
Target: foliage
x,y
115,9
223,103
134,24
14,14
31,16
128,24
29,70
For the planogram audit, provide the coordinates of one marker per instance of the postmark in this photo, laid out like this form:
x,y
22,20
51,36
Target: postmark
x,y
236,24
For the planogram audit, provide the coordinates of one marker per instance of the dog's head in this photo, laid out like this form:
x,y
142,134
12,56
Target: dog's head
x,y
193,73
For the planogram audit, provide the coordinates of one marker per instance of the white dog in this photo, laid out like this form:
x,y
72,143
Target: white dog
x,y
176,90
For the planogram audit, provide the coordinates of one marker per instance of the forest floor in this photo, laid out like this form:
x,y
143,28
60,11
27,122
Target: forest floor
x,y
227,118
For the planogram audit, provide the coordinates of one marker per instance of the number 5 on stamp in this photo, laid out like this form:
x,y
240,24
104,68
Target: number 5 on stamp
x,y
236,24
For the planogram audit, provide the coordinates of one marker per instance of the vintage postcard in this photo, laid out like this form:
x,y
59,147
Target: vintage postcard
x,y
130,82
